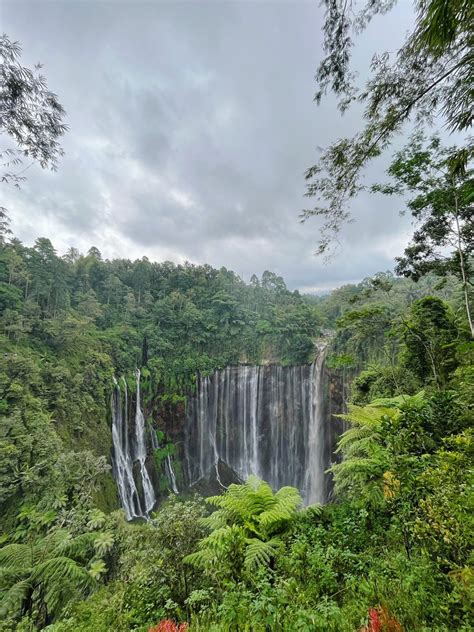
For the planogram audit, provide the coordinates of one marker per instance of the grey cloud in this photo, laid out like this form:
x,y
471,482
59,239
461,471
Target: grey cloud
x,y
191,125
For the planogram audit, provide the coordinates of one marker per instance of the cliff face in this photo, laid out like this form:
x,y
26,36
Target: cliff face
x,y
246,420
277,422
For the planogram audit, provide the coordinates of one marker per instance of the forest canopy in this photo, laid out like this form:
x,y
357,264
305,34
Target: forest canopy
x,y
88,343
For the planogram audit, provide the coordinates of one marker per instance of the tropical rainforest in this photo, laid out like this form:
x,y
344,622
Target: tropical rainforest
x,y
391,550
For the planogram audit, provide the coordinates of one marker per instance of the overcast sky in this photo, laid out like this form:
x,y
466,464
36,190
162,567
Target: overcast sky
x,y
191,125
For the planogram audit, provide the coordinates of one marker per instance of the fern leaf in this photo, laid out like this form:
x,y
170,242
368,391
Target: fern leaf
x,y
354,434
61,569
16,556
77,547
287,500
259,553
369,415
13,598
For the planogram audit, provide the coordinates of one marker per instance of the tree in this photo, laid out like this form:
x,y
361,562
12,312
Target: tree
x,y
246,527
369,327
88,305
94,253
429,335
271,281
47,272
39,578
443,208
29,113
72,255
430,74
4,225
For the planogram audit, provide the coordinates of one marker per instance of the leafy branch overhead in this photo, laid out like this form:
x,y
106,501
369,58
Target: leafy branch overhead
x,y
430,75
30,115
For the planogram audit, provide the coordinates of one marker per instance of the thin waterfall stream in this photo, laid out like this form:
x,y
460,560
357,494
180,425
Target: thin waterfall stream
x,y
136,491
121,461
141,452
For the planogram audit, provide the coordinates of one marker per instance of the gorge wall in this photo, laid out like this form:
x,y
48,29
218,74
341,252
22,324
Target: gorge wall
x,y
262,420
272,421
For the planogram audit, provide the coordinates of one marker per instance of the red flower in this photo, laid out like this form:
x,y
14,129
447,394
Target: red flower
x,y
375,624
381,621
168,625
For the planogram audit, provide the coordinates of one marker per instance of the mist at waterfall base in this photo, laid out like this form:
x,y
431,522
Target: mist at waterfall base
x,y
266,420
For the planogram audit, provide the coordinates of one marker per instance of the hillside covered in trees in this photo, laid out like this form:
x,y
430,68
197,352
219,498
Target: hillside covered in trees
x,y
397,538
102,361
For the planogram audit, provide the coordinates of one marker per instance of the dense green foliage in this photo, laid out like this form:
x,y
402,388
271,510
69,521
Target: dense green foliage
x,y
392,550
67,325
397,536
182,318
441,207
245,529
398,541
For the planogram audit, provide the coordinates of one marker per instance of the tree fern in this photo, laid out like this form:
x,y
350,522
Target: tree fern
x,y
353,436
245,527
79,547
97,569
42,577
60,577
365,459
103,542
16,556
14,597
285,503
370,416
365,456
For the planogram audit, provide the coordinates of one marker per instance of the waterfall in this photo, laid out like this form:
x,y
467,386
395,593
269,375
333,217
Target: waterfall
x,y
141,452
135,487
263,420
315,479
121,461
